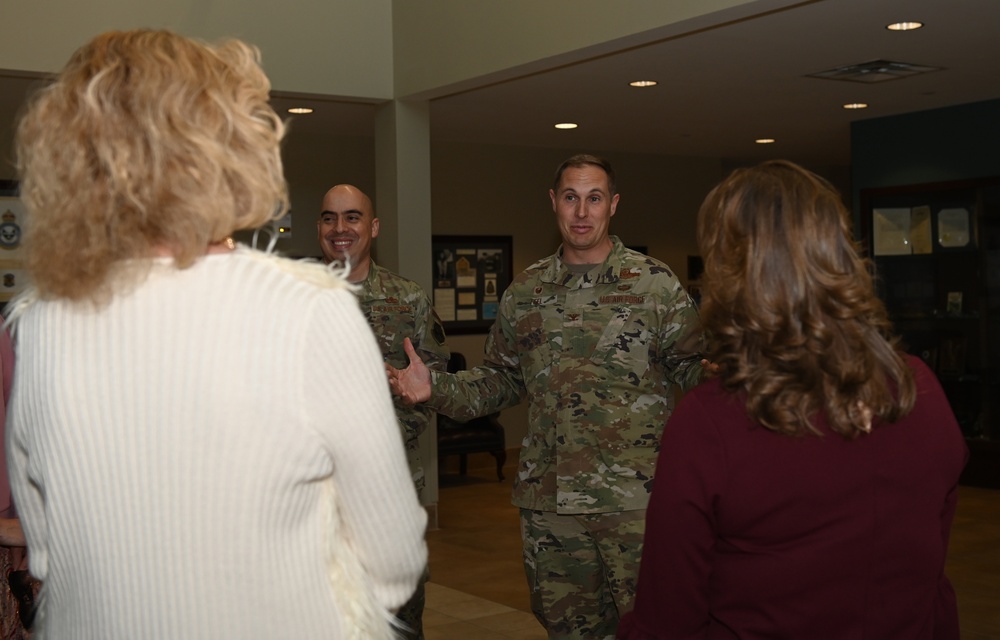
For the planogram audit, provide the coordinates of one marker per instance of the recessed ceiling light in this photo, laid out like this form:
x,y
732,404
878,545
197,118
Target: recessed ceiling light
x,y
566,125
764,140
642,83
856,105
904,26
300,110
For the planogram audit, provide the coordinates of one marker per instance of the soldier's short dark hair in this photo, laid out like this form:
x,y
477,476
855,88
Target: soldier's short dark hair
x,y
581,160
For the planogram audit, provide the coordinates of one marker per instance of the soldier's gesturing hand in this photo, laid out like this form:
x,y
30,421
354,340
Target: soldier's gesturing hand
x,y
412,384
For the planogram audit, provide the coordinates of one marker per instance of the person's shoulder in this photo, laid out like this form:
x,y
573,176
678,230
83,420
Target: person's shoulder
x,y
307,274
648,276
711,403
531,274
526,282
917,365
923,376
640,264
398,282
710,392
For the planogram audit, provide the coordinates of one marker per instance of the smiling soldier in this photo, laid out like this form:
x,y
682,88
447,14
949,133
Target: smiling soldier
x,y
396,308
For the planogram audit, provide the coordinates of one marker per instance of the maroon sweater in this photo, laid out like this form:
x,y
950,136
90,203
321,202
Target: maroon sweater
x,y
753,534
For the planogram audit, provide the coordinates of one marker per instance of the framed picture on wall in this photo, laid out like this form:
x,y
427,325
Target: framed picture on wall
x,y
12,214
470,275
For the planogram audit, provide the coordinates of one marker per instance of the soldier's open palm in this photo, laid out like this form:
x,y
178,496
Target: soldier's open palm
x,y
412,384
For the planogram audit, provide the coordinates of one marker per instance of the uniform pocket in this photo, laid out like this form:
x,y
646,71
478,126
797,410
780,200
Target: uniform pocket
x,y
536,340
624,342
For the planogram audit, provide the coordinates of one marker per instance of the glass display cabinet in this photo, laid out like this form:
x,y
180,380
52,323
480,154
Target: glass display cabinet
x,y
936,252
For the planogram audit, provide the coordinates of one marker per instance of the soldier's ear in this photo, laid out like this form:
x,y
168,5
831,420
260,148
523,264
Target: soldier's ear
x,y
374,227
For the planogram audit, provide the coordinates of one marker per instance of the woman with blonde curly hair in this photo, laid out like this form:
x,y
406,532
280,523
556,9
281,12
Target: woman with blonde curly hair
x,y
201,438
808,490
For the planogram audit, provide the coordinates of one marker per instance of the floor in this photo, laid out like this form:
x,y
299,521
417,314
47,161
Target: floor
x,y
477,589
478,592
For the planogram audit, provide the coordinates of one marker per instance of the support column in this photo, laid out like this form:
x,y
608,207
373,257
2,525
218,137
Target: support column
x,y
403,203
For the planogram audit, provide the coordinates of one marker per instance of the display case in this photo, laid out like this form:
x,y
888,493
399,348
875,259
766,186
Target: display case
x,y
936,251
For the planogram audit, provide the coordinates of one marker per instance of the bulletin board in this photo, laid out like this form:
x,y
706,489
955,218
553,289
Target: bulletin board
x,y
470,275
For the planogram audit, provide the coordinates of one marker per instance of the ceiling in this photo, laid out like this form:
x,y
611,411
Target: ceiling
x,y
719,88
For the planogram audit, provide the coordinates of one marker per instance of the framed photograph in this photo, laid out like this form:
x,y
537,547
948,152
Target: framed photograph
x,y
954,307
891,231
12,214
951,356
470,275
953,227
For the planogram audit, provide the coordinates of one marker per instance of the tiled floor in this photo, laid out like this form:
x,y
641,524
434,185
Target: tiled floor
x,y
478,592
452,614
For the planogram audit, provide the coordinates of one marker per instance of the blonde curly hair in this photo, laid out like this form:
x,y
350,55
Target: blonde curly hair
x,y
146,141
790,306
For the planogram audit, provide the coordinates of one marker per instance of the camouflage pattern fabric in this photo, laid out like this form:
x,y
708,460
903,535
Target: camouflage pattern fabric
x,y
411,614
582,570
397,308
596,354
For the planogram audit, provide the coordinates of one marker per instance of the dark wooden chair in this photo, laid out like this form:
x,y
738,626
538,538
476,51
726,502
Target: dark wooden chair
x,y
479,435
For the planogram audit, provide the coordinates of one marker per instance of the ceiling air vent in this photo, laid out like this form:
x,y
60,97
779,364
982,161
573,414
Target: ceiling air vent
x,y
874,71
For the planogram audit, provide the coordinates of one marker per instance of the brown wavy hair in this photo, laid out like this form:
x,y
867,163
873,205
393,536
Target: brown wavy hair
x,y
145,141
791,308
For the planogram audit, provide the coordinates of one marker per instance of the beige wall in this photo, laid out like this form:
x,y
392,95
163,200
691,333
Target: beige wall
x,y
335,47
447,45
374,49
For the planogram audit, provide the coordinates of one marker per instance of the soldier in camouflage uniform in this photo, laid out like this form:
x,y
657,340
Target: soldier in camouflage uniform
x,y
595,336
396,308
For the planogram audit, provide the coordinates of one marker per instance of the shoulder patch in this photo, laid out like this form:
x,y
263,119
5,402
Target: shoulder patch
x,y
437,331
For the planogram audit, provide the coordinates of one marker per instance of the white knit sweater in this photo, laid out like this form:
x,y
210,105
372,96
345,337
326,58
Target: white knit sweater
x,y
175,456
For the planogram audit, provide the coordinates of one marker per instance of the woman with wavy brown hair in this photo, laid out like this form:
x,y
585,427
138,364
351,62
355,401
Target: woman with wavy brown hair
x,y
201,439
807,491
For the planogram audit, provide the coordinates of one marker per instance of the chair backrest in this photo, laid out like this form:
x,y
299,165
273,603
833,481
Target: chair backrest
x,y
456,362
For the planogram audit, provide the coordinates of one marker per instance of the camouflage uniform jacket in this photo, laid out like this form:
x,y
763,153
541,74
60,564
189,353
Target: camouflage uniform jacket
x,y
596,354
398,308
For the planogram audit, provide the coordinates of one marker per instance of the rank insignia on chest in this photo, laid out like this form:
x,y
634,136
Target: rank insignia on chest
x,y
572,317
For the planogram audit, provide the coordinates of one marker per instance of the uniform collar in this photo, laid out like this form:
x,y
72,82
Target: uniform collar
x,y
609,271
370,282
